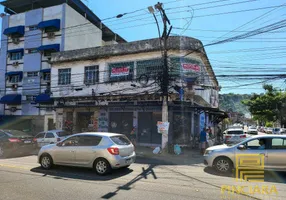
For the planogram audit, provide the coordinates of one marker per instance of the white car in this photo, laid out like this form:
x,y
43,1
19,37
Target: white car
x,y
252,130
50,137
234,135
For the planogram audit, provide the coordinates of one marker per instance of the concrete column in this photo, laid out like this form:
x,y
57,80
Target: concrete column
x,y
74,120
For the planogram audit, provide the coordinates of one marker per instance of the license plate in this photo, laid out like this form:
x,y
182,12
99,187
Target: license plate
x,y
128,160
27,142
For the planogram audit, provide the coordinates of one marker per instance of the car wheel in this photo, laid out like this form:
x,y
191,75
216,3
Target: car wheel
x,y
223,164
102,166
46,161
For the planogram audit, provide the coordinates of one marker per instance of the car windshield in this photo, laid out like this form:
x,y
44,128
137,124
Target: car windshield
x,y
120,140
63,133
16,133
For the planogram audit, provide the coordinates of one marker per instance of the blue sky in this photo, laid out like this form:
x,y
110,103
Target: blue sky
x,y
210,21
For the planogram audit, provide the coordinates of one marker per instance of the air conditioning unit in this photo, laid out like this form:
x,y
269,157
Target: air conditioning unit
x,y
16,40
16,63
51,35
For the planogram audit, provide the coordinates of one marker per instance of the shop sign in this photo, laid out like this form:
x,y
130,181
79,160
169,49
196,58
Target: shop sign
x,y
189,67
120,71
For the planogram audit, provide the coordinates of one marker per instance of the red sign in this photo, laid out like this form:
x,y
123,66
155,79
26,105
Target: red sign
x,y
191,67
120,71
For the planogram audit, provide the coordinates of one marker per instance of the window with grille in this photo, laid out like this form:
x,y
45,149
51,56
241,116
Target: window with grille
x,y
91,75
47,76
16,56
121,71
151,68
14,79
64,76
30,98
32,74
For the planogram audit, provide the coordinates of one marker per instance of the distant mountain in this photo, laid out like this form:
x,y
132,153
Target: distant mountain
x,y
232,103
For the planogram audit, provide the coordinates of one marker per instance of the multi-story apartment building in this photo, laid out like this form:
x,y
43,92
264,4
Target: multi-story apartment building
x,y
31,32
116,88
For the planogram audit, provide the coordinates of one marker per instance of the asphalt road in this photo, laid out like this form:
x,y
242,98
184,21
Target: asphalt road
x,y
22,178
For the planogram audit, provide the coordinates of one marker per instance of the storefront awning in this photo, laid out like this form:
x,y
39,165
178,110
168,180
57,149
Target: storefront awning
x,y
50,47
44,98
16,51
46,70
14,99
20,73
16,30
54,23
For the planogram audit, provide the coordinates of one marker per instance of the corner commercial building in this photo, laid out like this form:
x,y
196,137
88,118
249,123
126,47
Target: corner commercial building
x,y
117,88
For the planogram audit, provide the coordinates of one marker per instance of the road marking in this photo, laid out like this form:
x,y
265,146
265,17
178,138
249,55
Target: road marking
x,y
14,166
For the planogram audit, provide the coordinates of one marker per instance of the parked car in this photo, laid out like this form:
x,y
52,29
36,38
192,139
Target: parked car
x,y
50,137
269,130
101,151
234,135
276,131
15,142
283,131
252,130
223,157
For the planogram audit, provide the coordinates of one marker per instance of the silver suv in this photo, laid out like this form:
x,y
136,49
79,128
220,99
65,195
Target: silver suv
x,y
273,147
101,151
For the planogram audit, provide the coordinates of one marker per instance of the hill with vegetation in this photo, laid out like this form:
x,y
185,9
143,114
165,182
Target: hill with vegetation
x,y
233,103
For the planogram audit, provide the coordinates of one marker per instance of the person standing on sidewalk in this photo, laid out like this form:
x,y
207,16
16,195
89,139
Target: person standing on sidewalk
x,y
203,140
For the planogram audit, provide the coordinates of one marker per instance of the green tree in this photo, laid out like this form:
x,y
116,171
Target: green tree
x,y
267,107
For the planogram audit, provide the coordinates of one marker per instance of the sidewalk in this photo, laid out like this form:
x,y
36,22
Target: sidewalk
x,y
188,156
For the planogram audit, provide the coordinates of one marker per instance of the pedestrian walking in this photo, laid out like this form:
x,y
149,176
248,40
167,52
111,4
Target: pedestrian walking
x,y
203,140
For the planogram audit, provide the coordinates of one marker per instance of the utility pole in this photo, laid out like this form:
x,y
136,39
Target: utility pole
x,y
165,74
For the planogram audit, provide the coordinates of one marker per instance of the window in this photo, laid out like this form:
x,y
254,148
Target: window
x,y
49,135
278,143
47,53
32,74
120,140
30,98
63,133
47,76
32,28
16,56
238,132
14,79
121,71
255,144
91,75
50,29
72,141
150,68
32,51
89,140
64,76
40,135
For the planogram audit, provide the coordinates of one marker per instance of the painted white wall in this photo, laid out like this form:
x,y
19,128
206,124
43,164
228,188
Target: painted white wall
x,y
54,12
84,35
17,20
77,71
11,68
